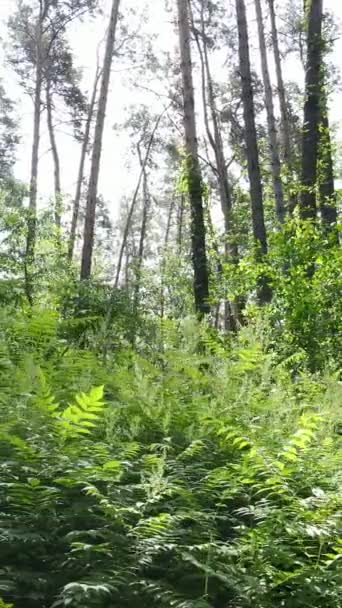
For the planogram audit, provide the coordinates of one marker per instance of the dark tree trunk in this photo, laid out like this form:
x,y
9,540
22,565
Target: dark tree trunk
x,y
199,256
89,225
80,177
328,202
312,111
256,194
233,317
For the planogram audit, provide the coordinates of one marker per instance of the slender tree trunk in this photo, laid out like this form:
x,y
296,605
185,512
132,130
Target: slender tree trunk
x,y
256,194
89,226
180,220
169,221
285,123
312,111
199,256
80,177
271,121
32,212
233,317
257,208
57,170
134,200
141,249
216,142
166,243
328,202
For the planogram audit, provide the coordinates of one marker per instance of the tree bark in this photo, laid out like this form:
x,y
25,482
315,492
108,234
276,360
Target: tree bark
x,y
271,121
312,111
32,212
55,155
254,175
199,256
80,177
233,317
328,202
89,226
285,123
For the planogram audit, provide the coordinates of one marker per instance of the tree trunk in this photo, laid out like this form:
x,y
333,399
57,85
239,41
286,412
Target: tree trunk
x,y
89,226
180,220
141,249
57,170
312,114
134,200
199,257
169,221
285,123
271,121
256,195
32,212
80,177
233,319
328,202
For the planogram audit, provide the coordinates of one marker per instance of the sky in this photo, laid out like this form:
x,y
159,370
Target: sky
x,y
118,170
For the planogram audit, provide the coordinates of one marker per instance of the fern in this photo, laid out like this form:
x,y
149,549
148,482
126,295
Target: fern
x,y
82,416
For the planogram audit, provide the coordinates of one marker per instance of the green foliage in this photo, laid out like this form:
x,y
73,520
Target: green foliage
x,y
307,300
199,476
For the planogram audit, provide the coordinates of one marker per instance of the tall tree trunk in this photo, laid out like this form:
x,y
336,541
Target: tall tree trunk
x,y
312,114
199,256
285,123
327,194
134,200
143,230
256,194
233,319
32,213
271,121
89,226
57,170
80,177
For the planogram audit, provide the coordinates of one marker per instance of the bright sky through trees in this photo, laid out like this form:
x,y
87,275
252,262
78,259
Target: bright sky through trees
x,y
118,165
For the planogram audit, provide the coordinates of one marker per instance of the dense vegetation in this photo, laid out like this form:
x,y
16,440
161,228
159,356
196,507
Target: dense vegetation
x,y
170,423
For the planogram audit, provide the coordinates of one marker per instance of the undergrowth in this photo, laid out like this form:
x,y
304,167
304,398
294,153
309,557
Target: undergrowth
x,y
169,475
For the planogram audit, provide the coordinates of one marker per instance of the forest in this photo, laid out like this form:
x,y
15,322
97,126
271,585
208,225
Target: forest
x,y
171,304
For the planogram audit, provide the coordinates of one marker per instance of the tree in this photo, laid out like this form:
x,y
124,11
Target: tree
x,y
312,110
89,225
254,174
284,114
271,121
55,155
142,178
80,176
36,30
328,202
194,177
9,138
233,316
